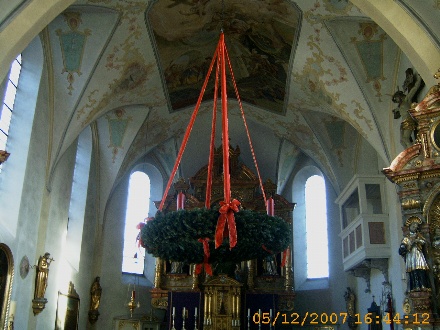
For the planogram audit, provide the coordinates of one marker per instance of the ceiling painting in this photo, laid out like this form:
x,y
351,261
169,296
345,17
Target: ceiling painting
x,y
259,35
370,50
117,125
337,6
72,46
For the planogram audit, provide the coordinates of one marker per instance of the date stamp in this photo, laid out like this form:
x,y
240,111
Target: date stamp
x,y
324,318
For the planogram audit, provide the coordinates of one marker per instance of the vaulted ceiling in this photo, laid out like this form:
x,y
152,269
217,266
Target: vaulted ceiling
x,y
314,77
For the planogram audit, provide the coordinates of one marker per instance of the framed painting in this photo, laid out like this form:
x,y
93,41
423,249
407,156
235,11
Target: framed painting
x,y
67,310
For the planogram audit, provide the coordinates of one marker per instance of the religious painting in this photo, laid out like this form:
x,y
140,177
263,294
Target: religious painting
x,y
260,38
67,310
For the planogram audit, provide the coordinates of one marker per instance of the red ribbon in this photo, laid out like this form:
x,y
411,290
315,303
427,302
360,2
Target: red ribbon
x,y
266,249
227,216
206,254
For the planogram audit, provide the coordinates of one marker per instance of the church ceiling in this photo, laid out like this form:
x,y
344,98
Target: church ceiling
x,y
315,78
261,39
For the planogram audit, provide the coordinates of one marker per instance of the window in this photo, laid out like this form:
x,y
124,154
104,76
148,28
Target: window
x,y
310,230
316,228
138,205
8,101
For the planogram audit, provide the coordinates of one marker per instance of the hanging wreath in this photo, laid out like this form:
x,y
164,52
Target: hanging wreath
x,y
177,236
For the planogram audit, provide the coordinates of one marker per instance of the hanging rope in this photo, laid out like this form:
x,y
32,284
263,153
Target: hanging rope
x,y
226,221
246,128
188,131
212,143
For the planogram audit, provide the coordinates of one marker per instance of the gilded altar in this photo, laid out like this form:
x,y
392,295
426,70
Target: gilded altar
x,y
416,171
222,300
222,303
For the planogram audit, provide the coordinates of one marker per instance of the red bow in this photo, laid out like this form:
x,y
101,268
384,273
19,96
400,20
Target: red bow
x,y
227,215
205,263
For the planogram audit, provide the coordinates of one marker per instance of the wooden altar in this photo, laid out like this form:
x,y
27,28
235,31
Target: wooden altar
x,y
223,302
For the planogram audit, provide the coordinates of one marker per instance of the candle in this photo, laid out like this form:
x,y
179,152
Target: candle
x,y
184,312
270,313
174,311
249,312
195,313
180,201
133,294
270,208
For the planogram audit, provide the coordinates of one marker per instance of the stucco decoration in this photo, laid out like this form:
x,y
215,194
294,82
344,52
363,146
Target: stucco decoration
x,y
260,36
72,45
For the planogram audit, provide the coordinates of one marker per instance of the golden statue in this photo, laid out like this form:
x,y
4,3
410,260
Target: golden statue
x,y
39,302
95,299
42,275
95,292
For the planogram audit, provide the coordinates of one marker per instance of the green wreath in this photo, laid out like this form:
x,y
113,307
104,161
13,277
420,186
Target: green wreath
x,y
174,236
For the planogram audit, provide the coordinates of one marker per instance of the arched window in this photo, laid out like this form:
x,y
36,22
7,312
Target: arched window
x,y
310,229
8,102
316,227
138,205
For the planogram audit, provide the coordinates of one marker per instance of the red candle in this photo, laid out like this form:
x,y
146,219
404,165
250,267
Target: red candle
x,y
133,294
270,207
180,201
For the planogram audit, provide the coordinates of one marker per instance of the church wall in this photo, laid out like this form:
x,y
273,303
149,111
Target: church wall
x,y
339,280
330,298
29,201
42,224
114,284
90,261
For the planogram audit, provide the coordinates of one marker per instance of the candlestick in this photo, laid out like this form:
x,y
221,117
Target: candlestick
x,y
184,317
195,319
173,328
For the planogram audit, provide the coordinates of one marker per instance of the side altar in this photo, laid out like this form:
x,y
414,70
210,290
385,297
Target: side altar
x,y
416,173
237,293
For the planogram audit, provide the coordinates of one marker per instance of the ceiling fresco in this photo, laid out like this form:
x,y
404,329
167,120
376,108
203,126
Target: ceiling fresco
x,y
260,38
315,78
